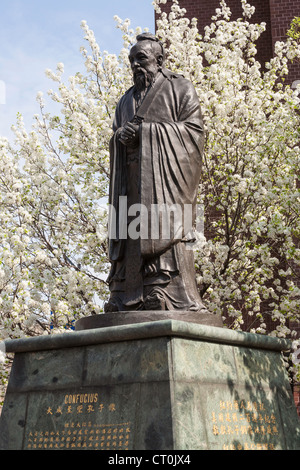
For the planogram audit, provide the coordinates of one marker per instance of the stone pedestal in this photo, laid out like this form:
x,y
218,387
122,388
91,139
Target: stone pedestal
x,y
162,385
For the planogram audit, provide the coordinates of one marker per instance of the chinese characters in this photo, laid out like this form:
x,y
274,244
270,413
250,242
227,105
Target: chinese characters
x,y
82,436
247,424
81,403
80,421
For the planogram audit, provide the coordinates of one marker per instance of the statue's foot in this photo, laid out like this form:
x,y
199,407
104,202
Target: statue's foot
x,y
111,306
204,311
154,302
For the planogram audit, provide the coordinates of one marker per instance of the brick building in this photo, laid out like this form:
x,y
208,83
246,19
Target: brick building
x,y
277,14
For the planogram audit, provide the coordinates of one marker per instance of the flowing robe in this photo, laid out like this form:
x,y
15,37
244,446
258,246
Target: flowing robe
x,y
163,172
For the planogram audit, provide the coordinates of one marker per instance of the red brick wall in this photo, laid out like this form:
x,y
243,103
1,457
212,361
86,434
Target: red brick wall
x,y
277,14
296,392
282,13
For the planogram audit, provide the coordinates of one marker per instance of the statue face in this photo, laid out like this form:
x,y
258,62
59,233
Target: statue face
x,y
144,63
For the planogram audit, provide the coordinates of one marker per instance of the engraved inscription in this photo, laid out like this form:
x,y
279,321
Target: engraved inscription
x,y
79,421
247,424
81,403
82,436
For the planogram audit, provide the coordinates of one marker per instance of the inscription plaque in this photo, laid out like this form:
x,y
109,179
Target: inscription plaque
x,y
247,425
70,421
83,435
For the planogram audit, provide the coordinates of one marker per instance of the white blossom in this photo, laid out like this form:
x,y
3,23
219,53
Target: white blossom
x,y
2,352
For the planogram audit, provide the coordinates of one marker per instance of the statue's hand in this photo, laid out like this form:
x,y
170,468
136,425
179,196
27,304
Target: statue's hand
x,y
129,135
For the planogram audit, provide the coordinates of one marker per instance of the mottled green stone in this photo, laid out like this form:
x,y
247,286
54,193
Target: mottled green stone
x,y
164,385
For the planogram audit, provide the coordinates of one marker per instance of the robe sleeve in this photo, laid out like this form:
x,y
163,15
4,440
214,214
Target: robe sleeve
x,y
117,189
171,154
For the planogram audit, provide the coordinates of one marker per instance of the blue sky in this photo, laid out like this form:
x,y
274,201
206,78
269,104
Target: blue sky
x,y
37,34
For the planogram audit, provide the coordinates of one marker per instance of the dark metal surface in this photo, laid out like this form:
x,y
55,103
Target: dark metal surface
x,y
155,154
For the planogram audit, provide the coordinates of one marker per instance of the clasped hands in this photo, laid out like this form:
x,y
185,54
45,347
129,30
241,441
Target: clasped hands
x,y
129,134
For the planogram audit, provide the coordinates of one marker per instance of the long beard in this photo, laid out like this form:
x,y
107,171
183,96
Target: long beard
x,y
143,79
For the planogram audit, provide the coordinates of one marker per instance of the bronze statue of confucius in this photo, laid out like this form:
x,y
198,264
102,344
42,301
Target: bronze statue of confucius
x,y
155,157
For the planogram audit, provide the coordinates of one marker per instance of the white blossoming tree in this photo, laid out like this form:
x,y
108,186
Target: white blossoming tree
x,y
54,182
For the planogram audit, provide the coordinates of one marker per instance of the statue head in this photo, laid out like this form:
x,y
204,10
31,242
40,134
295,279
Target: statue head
x,y
146,58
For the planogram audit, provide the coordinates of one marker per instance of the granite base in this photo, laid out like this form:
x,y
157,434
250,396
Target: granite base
x,y
163,385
